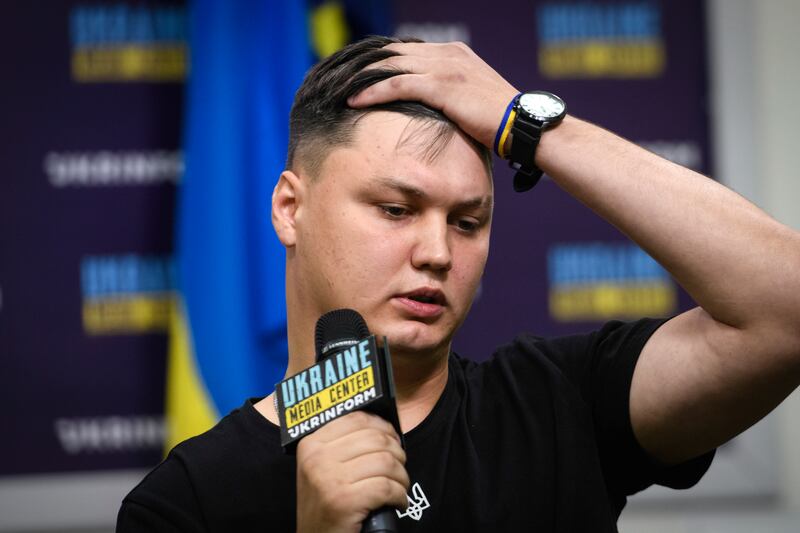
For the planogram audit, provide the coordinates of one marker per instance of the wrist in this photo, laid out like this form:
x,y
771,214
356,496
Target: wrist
x,y
506,149
536,112
555,142
504,129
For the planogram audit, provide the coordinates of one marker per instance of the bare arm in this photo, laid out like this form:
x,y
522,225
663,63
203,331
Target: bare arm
x,y
713,371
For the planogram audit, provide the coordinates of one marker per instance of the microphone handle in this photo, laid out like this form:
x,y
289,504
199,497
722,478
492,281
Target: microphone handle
x,y
380,521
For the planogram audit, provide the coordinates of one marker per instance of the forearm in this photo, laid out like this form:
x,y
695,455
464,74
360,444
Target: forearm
x,y
740,265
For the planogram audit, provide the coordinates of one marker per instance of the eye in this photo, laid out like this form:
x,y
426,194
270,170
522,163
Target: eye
x,y
394,211
468,225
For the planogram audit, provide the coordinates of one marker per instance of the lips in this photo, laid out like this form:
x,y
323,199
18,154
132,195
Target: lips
x,y
427,295
424,302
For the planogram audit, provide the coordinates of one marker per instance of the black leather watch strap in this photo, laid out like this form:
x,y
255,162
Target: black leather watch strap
x,y
525,139
523,148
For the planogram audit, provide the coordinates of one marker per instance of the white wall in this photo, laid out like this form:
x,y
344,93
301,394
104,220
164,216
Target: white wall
x,y
755,71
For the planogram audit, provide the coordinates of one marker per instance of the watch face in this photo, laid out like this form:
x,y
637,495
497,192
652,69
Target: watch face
x,y
542,105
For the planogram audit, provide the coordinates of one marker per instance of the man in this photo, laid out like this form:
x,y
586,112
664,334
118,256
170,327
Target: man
x,y
385,207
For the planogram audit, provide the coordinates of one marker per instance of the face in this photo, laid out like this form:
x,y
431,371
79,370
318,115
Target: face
x,y
399,237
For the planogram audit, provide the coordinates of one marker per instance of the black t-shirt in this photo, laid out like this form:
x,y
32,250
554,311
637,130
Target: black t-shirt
x,y
538,438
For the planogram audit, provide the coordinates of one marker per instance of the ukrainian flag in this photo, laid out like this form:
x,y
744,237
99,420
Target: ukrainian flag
x,y
228,331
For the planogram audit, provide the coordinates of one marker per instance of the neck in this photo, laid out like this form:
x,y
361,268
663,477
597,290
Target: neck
x,y
419,382
299,326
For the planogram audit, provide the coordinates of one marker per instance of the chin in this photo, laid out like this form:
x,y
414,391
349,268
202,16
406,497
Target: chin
x,y
416,337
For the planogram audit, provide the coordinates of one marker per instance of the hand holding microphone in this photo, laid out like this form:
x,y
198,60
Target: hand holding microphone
x,y
349,467
350,463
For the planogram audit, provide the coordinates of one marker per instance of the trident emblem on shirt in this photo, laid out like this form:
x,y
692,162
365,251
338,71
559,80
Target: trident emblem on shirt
x,y
416,503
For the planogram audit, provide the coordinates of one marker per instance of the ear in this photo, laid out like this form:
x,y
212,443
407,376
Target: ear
x,y
286,199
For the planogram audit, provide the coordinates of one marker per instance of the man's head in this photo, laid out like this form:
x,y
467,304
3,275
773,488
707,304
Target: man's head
x,y
386,210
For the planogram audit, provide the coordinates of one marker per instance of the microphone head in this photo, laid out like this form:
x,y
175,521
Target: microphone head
x,y
338,329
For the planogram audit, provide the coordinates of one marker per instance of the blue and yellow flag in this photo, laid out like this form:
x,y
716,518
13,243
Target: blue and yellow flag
x,y
228,332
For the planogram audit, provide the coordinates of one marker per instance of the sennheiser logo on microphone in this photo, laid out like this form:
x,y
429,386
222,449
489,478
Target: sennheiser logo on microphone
x,y
337,345
341,383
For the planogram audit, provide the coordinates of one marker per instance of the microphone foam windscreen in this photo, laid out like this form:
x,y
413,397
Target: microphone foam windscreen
x,y
339,328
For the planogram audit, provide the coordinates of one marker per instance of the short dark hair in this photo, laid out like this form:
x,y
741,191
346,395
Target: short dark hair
x,y
321,119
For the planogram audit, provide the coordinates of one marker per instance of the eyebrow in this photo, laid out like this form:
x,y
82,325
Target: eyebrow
x,y
415,192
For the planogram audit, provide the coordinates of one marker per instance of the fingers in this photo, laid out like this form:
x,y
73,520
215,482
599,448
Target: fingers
x,y
377,464
345,469
421,64
361,435
330,473
441,50
448,77
350,423
378,492
367,441
405,63
417,81
410,87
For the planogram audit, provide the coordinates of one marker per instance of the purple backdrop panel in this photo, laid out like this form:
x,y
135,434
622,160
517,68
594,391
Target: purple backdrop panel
x,y
90,158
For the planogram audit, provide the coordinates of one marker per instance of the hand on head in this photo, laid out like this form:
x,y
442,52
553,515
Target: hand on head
x,y
448,77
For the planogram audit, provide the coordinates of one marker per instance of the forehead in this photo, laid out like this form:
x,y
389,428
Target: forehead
x,y
423,154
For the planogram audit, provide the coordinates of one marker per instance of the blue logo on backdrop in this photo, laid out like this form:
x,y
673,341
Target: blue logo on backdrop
x,y
121,42
126,293
600,281
582,39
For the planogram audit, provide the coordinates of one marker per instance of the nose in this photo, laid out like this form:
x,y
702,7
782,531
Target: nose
x,y
432,248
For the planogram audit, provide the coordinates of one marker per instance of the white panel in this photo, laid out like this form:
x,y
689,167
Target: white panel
x,y
64,501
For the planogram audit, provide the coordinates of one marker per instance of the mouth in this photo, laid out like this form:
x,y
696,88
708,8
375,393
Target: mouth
x,y
426,295
423,303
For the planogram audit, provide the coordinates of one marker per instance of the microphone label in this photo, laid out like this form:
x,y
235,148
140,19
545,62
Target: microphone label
x,y
341,383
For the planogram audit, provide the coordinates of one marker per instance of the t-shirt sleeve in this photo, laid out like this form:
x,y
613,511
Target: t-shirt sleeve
x,y
163,502
601,365
614,350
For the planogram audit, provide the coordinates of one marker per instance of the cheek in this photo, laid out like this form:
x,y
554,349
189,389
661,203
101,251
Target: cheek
x,y
374,256
360,256
469,266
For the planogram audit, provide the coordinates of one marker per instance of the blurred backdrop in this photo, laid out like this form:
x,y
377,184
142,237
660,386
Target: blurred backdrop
x,y
140,281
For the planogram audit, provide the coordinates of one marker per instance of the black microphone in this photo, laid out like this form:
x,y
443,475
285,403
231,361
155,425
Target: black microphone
x,y
352,372
336,330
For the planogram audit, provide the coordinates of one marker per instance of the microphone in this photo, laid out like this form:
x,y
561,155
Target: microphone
x,y
352,372
337,330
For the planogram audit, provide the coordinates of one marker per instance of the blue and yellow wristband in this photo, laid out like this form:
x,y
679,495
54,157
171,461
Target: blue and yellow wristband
x,y
505,127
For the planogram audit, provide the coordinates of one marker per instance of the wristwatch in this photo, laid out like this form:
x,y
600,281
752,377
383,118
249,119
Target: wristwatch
x,y
535,112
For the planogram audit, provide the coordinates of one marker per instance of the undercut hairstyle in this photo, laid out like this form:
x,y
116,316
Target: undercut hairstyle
x,y
321,119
